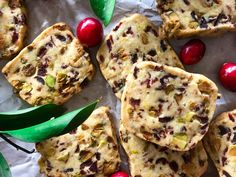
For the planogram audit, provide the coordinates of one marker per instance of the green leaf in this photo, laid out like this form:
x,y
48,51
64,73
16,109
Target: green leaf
x,y
53,127
28,117
104,9
4,168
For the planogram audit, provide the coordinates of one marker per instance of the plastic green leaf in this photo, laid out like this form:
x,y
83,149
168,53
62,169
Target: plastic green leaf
x,y
53,127
4,168
28,117
103,9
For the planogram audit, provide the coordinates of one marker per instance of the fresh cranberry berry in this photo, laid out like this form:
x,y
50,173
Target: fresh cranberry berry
x,y
227,76
120,174
192,52
90,32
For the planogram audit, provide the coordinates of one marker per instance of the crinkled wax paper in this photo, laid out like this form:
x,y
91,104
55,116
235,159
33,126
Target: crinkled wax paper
x,y
43,13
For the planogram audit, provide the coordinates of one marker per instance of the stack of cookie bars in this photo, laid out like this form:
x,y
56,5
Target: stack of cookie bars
x,y
166,112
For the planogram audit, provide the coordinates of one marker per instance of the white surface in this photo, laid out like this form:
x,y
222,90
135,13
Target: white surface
x,y
43,13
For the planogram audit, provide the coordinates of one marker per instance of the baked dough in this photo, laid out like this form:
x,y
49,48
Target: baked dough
x,y
167,105
220,143
134,39
51,69
91,150
185,18
12,27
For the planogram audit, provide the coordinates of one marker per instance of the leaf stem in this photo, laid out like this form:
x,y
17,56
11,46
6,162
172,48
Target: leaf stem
x,y
16,146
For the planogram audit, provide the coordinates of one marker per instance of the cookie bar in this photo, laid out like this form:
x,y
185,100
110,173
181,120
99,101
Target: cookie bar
x,y
133,40
91,150
167,105
185,18
150,160
12,27
220,143
51,69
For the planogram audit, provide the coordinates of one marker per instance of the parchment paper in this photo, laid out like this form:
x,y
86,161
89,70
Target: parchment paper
x,y
43,13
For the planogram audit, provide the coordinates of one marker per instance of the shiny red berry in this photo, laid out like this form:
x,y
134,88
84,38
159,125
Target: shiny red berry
x,y
120,174
90,32
227,76
192,52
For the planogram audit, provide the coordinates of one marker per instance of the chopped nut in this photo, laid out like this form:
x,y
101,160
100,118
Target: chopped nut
x,y
180,140
193,25
61,77
50,81
204,87
170,88
27,88
18,85
144,38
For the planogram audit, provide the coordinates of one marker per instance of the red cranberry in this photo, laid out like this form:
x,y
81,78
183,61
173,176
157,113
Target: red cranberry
x,y
227,76
120,174
192,52
90,32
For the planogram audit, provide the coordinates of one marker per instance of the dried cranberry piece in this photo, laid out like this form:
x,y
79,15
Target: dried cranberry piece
x,y
165,119
203,23
101,58
186,2
163,45
161,160
109,45
15,36
69,170
174,166
60,37
194,16
42,71
223,130
117,27
134,102
94,167
152,52
42,51
129,31
136,70
40,79
134,58
201,119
